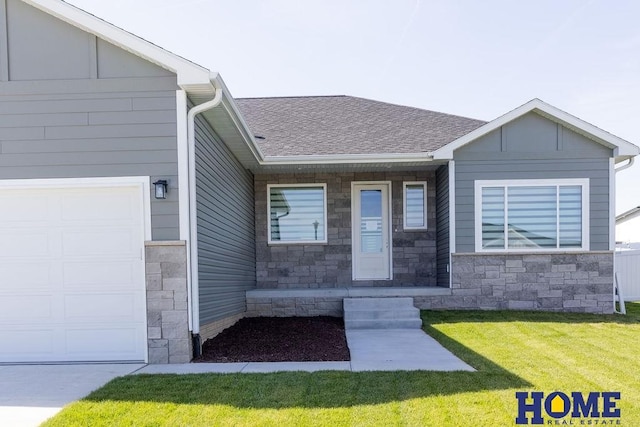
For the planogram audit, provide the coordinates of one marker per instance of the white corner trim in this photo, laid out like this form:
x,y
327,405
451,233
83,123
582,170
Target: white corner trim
x,y
584,183
621,147
424,205
302,242
612,204
182,145
452,207
182,140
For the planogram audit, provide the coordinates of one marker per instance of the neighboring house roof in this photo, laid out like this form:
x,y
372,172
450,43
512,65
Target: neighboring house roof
x,y
628,215
330,125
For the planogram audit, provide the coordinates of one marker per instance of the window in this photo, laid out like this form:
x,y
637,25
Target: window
x,y
532,215
415,205
297,213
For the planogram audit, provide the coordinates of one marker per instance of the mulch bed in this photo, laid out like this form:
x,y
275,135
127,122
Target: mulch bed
x,y
279,339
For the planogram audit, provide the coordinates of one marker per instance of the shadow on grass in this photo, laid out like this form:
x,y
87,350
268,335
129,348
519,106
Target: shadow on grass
x,y
313,390
477,316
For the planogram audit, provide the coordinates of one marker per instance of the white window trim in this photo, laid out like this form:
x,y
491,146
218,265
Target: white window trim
x,y
480,184
404,204
324,240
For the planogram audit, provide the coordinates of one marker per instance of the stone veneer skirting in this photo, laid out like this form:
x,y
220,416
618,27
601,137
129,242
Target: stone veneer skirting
x,y
570,282
169,339
581,282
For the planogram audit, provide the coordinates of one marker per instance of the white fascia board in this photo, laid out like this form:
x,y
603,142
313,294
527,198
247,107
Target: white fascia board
x,y
619,145
229,104
191,77
348,158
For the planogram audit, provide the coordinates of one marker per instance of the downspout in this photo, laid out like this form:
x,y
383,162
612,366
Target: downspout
x,y
193,225
616,286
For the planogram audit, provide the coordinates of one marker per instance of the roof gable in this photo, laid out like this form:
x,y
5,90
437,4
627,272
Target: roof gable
x,y
194,78
622,149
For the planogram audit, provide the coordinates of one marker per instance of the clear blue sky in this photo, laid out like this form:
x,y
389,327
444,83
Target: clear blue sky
x,y
465,57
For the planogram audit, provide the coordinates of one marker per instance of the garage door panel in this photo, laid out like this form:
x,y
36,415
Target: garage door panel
x,y
103,343
90,275
112,308
113,241
35,308
72,282
27,345
20,208
26,275
103,205
16,243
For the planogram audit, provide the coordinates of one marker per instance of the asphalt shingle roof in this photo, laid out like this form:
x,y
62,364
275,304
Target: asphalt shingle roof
x,y
324,125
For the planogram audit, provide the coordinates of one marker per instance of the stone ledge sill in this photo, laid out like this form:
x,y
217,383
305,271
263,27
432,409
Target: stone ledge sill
x,y
348,292
165,243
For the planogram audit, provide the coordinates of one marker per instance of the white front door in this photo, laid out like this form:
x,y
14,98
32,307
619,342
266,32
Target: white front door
x,y
371,231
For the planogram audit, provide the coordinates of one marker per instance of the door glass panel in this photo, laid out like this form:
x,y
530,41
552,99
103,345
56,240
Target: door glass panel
x,y
371,221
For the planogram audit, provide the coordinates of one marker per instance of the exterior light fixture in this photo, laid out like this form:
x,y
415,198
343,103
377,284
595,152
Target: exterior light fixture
x,y
161,189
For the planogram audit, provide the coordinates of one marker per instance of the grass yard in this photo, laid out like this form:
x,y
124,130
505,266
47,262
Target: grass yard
x,y
512,351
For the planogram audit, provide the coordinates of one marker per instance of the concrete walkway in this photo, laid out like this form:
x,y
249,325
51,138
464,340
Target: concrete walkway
x,y
371,350
30,394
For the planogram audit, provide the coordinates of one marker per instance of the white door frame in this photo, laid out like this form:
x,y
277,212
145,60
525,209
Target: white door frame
x,y
354,251
141,182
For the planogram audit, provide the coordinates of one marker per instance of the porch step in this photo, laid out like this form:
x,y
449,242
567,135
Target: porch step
x,y
381,313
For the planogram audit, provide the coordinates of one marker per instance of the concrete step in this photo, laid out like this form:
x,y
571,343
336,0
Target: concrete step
x,y
388,324
378,303
381,313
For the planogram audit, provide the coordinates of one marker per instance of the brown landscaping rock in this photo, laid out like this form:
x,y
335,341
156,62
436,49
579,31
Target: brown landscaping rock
x,y
279,339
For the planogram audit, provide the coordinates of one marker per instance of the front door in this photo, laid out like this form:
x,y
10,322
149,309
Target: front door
x,y
371,231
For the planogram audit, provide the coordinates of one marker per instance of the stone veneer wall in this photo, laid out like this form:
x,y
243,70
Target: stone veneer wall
x,y
570,282
294,306
575,282
169,339
329,265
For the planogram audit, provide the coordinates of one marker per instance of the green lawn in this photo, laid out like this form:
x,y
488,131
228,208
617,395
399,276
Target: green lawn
x,y
512,351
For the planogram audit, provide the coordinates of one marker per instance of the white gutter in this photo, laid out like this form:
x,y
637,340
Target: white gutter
x,y
628,165
193,225
347,158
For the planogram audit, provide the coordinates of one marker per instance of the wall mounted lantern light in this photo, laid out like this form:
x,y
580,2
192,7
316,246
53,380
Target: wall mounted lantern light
x,y
161,189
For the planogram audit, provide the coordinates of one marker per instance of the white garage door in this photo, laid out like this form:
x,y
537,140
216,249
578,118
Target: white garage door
x,y
72,274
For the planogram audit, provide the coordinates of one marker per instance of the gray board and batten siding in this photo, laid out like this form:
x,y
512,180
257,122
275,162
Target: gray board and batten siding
x,y
226,232
532,147
442,226
73,106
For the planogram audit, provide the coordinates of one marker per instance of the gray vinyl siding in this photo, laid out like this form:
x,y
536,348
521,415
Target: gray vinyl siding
x,y
60,119
532,147
226,233
442,225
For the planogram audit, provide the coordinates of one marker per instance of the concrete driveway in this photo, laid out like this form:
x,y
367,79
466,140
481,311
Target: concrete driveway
x,y
29,394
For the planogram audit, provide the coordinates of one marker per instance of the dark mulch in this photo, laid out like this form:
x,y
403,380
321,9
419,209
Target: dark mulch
x,y
279,339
